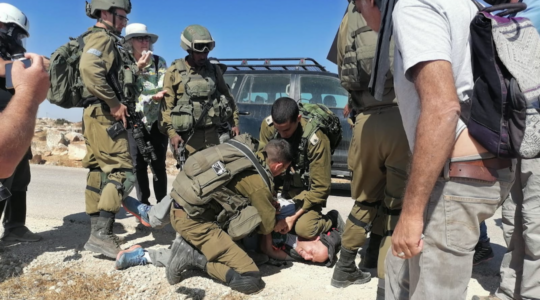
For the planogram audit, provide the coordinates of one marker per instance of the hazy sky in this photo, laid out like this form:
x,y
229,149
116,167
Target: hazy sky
x,y
241,28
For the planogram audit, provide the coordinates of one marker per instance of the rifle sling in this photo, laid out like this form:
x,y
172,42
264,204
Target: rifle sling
x,y
249,154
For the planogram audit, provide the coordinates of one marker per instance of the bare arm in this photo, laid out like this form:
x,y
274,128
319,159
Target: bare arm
x,y
19,118
435,138
266,248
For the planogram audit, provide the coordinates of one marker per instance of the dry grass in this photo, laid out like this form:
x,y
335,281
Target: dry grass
x,y
67,283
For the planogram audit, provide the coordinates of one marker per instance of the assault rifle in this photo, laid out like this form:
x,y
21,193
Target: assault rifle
x,y
181,151
134,119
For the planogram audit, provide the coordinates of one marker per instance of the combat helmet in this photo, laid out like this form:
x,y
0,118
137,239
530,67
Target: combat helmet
x,y
197,38
95,6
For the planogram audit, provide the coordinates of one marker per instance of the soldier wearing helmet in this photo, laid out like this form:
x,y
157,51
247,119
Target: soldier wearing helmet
x,y
109,75
193,83
17,104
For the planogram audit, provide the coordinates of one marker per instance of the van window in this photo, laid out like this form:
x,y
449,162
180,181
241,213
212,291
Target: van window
x,y
322,89
233,81
265,89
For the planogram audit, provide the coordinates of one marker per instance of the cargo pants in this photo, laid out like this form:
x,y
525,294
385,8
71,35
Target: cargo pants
x,y
109,161
520,267
220,250
378,158
452,218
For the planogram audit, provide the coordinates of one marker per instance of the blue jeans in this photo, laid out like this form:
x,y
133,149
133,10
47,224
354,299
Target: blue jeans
x,y
483,232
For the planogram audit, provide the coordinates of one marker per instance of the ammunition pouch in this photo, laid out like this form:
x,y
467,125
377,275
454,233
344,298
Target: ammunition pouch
x,y
182,118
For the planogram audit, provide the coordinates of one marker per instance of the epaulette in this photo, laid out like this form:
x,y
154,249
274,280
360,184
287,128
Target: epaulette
x,y
314,140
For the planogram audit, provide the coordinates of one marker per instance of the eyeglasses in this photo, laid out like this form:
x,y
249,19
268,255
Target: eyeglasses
x,y
204,47
122,18
142,38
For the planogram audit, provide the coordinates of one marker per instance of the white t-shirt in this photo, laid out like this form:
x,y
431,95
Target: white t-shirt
x,y
428,30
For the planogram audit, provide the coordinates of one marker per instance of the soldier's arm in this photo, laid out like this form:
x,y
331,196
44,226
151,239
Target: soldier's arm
x,y
266,134
168,103
261,199
96,61
320,158
223,88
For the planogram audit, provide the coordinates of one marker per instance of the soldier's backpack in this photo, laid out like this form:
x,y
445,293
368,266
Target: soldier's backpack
x,y
504,108
201,187
318,117
66,84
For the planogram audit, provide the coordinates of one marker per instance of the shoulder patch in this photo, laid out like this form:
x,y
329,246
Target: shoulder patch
x,y
96,52
269,120
314,140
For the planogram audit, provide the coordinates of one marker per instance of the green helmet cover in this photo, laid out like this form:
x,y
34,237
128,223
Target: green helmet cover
x,y
197,38
95,6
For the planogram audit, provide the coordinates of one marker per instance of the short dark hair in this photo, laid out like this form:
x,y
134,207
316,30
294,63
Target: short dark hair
x,y
279,150
285,109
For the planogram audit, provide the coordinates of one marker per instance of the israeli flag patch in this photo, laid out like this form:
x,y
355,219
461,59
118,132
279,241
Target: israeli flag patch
x,y
96,52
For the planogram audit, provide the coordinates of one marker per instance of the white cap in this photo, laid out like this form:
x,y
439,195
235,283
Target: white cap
x,y
138,29
11,14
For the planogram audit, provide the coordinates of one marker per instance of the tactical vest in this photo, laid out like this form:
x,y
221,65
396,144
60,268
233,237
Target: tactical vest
x,y
357,63
201,187
124,68
198,91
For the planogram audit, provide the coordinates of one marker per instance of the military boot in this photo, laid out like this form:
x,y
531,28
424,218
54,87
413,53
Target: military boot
x,y
101,238
183,257
247,283
346,272
370,260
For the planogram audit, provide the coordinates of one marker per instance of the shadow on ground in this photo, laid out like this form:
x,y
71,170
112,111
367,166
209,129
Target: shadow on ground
x,y
487,273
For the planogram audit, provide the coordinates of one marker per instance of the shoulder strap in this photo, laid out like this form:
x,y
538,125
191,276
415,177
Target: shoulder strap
x,y
156,62
180,65
249,154
361,30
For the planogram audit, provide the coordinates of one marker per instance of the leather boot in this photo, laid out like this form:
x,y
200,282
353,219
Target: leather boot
x,y
183,257
101,238
346,273
370,260
247,283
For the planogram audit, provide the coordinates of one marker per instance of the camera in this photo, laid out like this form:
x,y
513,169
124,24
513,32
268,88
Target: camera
x,y
25,61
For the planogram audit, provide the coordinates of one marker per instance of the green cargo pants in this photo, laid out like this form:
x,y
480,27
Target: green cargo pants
x,y
378,158
108,160
221,252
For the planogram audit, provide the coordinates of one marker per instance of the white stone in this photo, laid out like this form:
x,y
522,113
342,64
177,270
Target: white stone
x,y
76,151
74,137
60,149
55,137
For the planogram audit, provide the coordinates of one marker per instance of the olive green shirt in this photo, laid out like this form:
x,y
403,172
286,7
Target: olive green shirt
x,y
251,185
175,91
319,158
97,59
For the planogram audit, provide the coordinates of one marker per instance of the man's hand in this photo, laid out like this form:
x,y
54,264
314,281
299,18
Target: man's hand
x,y
346,111
175,141
120,113
33,80
407,237
159,96
235,131
284,226
144,60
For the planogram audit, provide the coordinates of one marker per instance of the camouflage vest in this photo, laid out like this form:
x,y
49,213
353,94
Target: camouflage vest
x,y
357,63
201,187
198,91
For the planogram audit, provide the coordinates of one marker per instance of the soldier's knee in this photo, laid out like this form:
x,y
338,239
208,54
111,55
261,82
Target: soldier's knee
x,y
247,283
116,186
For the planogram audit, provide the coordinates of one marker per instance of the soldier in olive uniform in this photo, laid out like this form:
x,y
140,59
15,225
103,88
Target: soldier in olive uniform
x,y
378,155
310,198
191,84
111,169
221,257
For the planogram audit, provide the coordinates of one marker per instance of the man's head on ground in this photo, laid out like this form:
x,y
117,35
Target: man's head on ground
x,y
278,156
110,14
370,10
14,29
198,42
286,116
313,250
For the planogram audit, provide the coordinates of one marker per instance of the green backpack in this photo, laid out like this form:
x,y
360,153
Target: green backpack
x,y
318,117
66,84
201,187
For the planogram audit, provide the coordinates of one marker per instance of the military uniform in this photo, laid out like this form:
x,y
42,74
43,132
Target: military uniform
x,y
379,151
108,159
312,198
178,102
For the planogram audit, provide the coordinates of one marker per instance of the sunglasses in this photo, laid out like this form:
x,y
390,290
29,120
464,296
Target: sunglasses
x,y
122,18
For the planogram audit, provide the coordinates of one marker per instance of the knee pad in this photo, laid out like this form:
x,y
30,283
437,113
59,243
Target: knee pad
x,y
124,187
129,183
247,283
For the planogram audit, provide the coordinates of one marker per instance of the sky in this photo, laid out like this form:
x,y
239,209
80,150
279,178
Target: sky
x,y
241,29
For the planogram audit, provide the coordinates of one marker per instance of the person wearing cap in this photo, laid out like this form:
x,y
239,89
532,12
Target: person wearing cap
x,y
193,83
20,103
454,182
139,42
109,75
